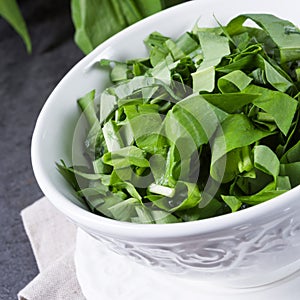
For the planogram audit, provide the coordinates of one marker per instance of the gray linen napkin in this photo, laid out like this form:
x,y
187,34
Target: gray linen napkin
x,y
52,239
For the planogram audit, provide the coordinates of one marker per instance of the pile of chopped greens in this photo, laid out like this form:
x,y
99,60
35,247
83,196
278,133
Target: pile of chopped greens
x,y
208,124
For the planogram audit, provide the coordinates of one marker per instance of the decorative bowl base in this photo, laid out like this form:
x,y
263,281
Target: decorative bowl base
x,y
105,275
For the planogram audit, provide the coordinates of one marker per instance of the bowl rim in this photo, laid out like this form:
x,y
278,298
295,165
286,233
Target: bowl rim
x,y
95,222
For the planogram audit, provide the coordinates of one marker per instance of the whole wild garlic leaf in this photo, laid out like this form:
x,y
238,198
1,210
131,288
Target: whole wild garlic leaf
x,y
97,20
94,20
10,11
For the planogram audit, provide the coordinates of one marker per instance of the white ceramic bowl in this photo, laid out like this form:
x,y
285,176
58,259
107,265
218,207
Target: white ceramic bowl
x,y
248,248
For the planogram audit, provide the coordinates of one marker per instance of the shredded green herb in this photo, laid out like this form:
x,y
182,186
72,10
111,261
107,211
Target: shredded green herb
x,y
206,125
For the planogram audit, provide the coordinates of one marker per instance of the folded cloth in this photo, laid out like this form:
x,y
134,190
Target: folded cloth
x,y
52,239
104,272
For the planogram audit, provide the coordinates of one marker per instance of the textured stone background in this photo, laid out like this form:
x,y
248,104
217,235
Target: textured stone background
x,y
25,83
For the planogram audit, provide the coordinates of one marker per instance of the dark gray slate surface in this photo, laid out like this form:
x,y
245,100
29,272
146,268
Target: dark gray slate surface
x,y
25,83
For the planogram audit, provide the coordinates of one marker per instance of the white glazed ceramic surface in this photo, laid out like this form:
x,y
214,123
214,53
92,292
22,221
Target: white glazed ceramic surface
x,y
248,248
105,275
